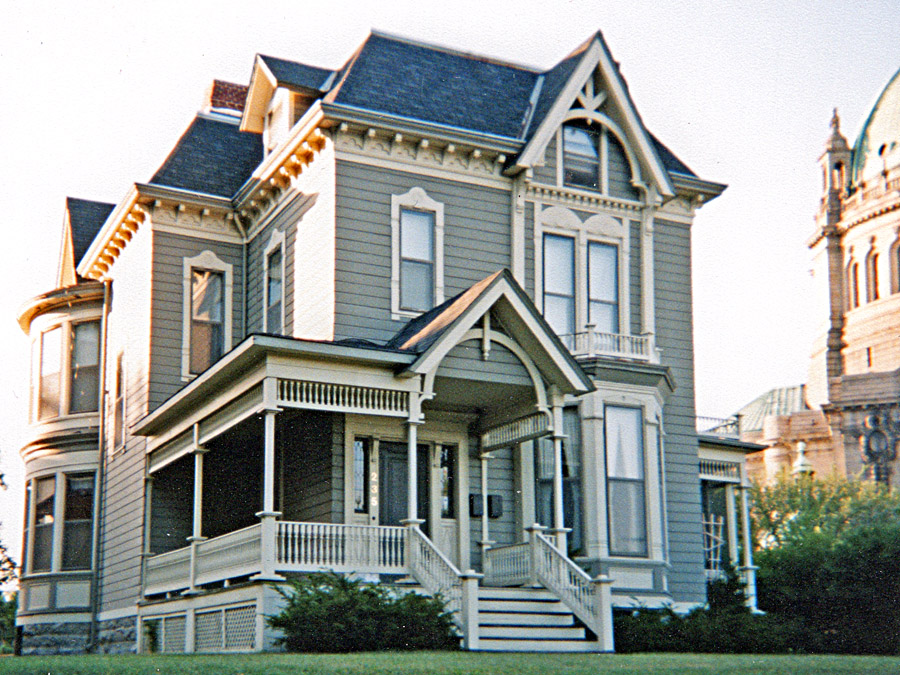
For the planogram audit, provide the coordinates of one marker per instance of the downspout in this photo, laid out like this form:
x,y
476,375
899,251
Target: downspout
x,y
101,470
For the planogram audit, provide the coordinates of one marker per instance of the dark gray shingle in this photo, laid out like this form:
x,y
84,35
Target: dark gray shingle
x,y
86,217
293,74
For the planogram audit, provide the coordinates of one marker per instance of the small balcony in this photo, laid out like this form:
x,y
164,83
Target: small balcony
x,y
591,343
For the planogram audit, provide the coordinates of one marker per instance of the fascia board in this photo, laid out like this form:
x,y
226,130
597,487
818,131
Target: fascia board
x,y
180,194
347,113
109,228
262,84
431,357
709,189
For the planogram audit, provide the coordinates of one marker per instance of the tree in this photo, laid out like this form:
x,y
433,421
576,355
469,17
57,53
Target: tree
x,y
829,554
7,564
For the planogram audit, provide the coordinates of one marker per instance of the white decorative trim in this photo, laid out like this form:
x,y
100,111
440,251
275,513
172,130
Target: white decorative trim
x,y
418,199
601,228
275,241
606,126
205,261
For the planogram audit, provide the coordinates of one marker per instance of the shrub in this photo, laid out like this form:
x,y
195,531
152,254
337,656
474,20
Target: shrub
x,y
327,612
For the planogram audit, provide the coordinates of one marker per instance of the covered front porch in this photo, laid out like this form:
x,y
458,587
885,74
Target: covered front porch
x,y
403,462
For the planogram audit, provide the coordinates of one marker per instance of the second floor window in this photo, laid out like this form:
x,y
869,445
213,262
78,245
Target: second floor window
x,y
274,292
207,319
559,283
603,287
416,260
66,370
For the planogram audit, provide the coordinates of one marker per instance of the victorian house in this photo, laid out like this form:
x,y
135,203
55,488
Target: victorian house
x,y
423,317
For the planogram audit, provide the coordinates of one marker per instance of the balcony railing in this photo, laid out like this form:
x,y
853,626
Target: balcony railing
x,y
726,427
592,342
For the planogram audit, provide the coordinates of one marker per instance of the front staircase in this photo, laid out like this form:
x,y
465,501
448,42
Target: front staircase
x,y
528,620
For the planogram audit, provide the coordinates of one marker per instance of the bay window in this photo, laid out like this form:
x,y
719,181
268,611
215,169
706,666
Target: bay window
x,y
65,366
559,283
603,287
59,523
625,482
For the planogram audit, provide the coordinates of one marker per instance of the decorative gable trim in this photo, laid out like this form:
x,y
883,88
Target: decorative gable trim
x,y
597,56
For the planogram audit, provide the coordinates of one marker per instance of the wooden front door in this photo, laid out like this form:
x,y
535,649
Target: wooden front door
x,y
394,480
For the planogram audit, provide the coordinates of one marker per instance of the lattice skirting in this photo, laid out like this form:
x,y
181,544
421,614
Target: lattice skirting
x,y
216,629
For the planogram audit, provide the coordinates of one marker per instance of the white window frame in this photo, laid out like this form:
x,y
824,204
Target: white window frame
x,y
276,242
207,260
416,199
67,330
601,228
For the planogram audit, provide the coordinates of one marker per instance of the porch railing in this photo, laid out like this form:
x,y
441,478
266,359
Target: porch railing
x,y
508,565
620,345
168,571
342,548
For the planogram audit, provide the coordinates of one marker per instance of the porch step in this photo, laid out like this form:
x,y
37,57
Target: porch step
x,y
528,620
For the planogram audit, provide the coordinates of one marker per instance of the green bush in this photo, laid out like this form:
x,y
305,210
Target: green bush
x,y
327,612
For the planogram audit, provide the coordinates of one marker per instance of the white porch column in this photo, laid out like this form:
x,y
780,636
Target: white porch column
x,y
197,517
731,523
268,516
748,569
412,458
559,528
486,541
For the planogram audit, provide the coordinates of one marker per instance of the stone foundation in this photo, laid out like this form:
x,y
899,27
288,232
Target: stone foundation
x,y
117,636
55,638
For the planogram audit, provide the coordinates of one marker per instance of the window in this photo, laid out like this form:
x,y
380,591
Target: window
x,y
581,157
118,425
207,318
853,285
872,277
603,287
571,470
274,291
559,283
627,519
63,516
361,454
65,366
448,480
417,263
416,260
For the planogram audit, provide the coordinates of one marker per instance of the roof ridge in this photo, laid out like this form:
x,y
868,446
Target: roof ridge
x,y
474,56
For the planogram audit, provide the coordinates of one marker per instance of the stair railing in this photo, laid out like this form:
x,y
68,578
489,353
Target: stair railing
x,y
588,599
431,568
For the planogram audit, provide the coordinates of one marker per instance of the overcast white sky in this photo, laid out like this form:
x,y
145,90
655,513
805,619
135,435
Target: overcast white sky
x,y
95,94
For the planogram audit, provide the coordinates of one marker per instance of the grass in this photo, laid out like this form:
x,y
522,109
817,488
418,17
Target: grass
x,y
447,663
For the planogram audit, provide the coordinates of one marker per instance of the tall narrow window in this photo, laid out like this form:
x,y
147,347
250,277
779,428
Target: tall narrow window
x,y
361,453
274,292
853,285
626,505
51,366
84,370
559,283
448,481
119,404
207,318
581,157
416,260
872,277
78,520
44,507
603,287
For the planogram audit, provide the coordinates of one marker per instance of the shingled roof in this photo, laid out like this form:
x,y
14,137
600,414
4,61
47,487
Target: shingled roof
x,y
213,157
295,75
86,217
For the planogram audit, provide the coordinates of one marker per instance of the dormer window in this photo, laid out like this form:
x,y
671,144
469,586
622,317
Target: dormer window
x,y
581,157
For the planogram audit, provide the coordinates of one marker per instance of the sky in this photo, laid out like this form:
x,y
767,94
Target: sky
x,y
95,94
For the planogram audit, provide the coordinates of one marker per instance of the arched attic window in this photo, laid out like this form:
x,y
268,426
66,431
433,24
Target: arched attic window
x,y
594,158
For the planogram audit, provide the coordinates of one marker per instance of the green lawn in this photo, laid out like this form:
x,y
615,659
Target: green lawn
x,y
447,664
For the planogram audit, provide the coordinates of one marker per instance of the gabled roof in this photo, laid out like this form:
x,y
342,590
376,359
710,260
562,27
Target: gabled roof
x,y
435,333
296,75
86,217
212,157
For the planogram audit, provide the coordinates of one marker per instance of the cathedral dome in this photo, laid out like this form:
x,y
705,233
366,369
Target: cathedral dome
x,y
878,146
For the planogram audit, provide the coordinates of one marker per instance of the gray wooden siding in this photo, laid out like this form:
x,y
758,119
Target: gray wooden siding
x,y
672,270
501,483
529,250
619,171
169,252
476,242
285,222
547,173
464,362
634,275
311,447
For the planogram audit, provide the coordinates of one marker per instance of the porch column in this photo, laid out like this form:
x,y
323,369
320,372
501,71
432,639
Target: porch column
x,y
268,516
197,518
486,541
731,523
748,569
412,458
559,529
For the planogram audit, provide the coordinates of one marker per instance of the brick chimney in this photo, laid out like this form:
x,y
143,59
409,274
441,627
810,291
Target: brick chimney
x,y
224,96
